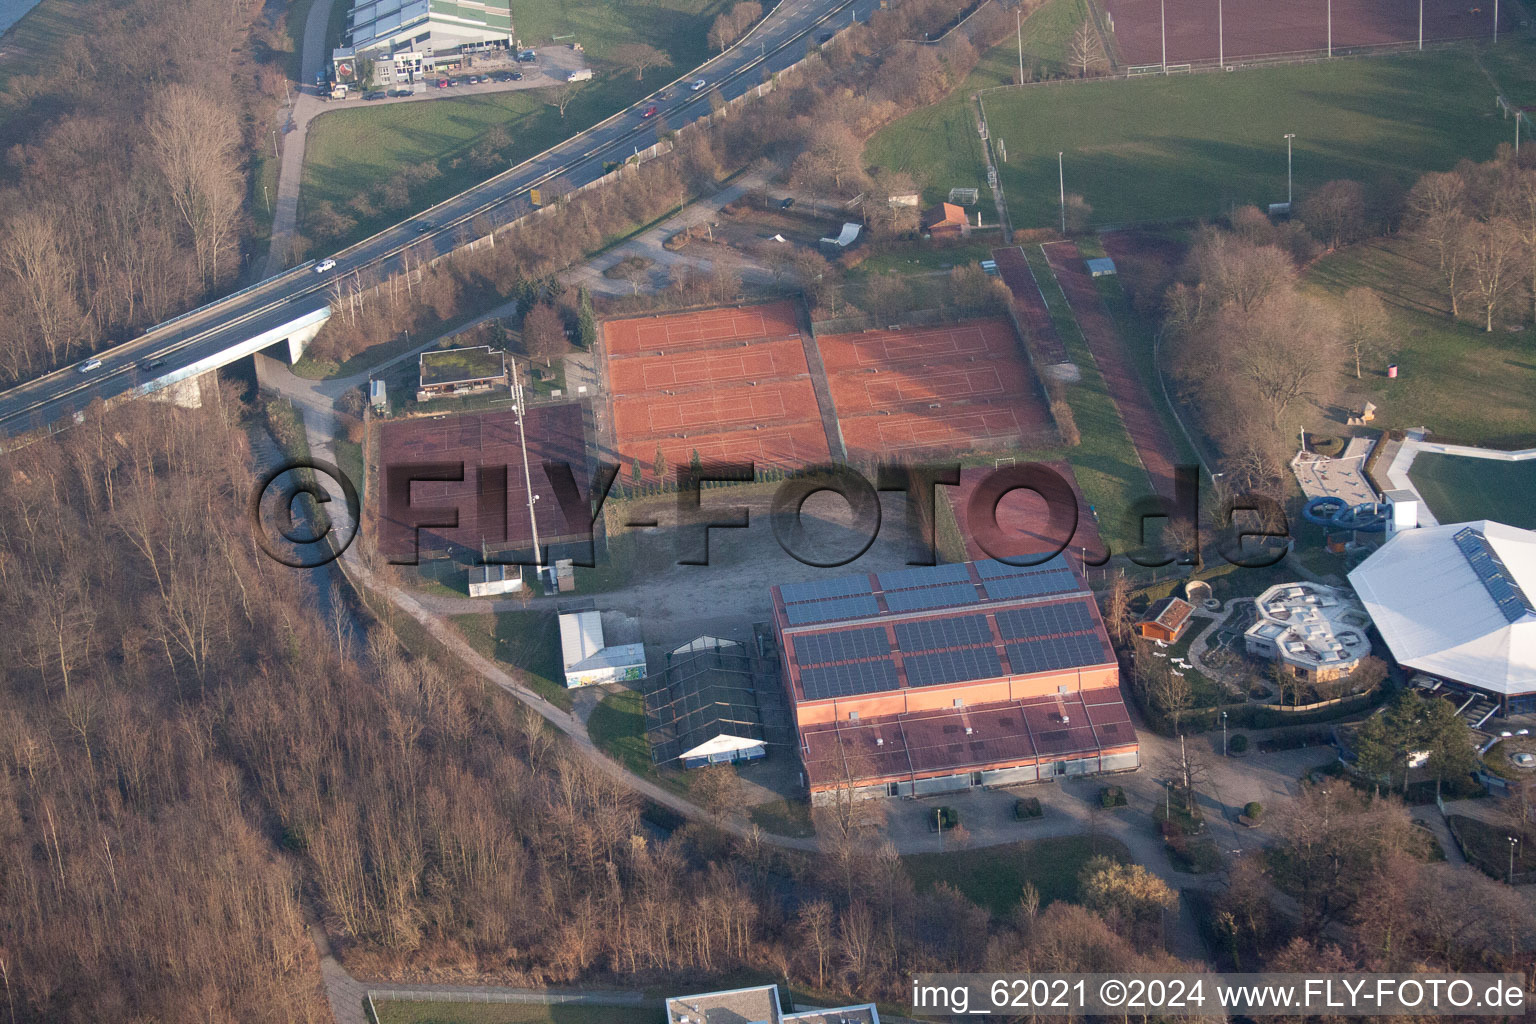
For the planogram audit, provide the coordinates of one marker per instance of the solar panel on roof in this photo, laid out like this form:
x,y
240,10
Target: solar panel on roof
x,y
1512,601
1057,652
1041,620
930,597
847,680
838,586
1056,581
934,634
836,608
818,648
924,576
991,568
952,666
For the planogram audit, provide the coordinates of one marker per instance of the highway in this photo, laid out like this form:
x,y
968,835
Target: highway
x,y
190,341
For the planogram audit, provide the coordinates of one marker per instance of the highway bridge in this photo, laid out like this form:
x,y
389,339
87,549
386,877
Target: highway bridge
x,y
290,308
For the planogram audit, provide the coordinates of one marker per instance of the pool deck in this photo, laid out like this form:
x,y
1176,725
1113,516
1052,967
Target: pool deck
x,y
1342,477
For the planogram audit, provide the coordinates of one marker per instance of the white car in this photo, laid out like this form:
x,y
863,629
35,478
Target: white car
x,y
89,365
325,265
698,84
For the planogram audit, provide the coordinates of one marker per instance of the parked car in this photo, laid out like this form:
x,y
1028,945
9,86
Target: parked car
x,y
516,76
374,95
325,265
651,111
473,79
697,84
787,203
527,57
442,83
452,82
89,365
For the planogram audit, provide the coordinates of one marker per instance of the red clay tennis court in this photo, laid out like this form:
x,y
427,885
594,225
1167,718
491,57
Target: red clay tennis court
x,y
729,384
1255,28
925,391
1023,518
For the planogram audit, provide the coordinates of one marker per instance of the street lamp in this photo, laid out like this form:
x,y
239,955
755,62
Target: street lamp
x,y
1162,7
1221,37
1513,842
1330,28
1288,137
1061,181
1223,734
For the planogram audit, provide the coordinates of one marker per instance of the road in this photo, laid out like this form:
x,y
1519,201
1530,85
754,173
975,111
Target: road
x,y
779,41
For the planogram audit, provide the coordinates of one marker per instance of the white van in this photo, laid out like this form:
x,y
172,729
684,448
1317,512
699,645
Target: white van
x,y
579,75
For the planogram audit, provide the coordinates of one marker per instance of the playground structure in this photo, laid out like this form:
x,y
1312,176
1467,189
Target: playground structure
x,y
1335,514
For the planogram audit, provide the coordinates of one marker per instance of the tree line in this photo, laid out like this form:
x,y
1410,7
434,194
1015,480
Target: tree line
x,y
124,196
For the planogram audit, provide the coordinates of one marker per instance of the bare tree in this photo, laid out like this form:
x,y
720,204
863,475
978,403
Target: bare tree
x,y
197,145
1364,324
559,96
1335,211
1085,52
639,58
544,333
1494,261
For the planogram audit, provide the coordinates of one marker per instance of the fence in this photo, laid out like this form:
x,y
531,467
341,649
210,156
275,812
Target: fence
x,y
910,318
374,995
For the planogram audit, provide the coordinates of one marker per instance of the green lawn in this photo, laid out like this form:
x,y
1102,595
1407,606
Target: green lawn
x,y
1463,383
391,1011
617,726
940,143
1158,148
993,876
1458,489
785,817
527,641
351,150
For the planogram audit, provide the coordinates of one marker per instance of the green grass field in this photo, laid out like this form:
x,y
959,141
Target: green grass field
x,y
1458,489
1159,148
617,726
1466,385
351,150
993,877
392,1011
529,641
940,143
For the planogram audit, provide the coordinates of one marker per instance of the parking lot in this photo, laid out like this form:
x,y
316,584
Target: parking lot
x,y
492,73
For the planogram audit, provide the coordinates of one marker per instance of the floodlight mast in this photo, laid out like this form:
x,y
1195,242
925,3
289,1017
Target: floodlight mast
x,y
520,403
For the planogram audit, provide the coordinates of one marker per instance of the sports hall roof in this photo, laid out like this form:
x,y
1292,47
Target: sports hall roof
x,y
936,625
1457,601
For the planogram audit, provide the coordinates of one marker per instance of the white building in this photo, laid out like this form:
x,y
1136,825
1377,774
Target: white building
x,y
1456,602
491,580
588,660
409,38
759,1005
1318,631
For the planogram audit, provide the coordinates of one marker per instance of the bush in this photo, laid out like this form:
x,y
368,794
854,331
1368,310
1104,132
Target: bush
x,y
1112,796
944,818
1253,810
1238,744
1028,807
1193,855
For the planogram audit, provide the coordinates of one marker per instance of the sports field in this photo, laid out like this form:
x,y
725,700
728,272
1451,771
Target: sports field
x,y
1181,146
924,391
490,502
1252,28
1458,488
725,384
1024,519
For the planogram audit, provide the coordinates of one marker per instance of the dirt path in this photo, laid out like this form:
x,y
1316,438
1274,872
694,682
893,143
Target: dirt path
x,y
1043,341
1153,445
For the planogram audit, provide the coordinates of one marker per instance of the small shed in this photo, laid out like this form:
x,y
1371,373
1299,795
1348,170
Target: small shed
x,y
945,220
1166,620
490,580
459,371
1102,266
587,658
378,396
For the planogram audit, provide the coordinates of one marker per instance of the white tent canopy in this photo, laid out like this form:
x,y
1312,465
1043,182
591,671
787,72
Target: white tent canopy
x,y
1456,601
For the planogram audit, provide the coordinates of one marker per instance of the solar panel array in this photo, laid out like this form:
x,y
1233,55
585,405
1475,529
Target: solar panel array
x,y
815,590
1035,584
1512,601
943,596
848,679
803,612
924,576
1057,652
1043,620
952,666
936,634
844,645
991,568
